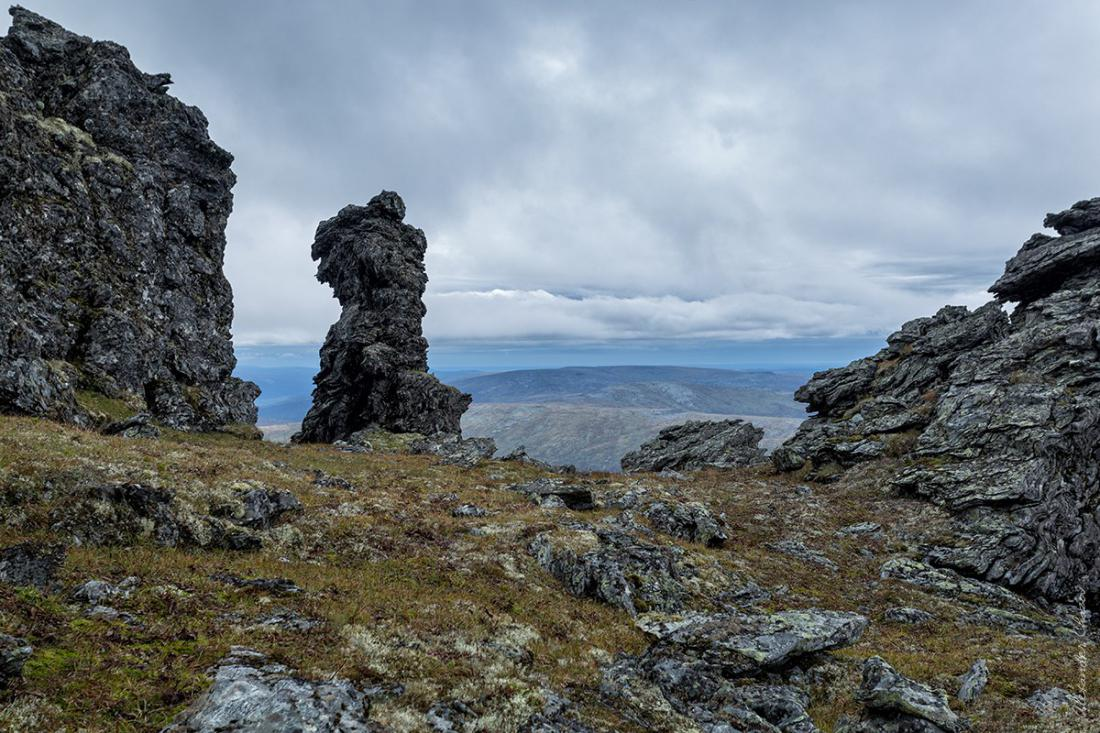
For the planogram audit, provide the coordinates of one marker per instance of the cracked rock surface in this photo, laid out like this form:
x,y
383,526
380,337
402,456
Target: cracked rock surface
x,y
995,415
113,206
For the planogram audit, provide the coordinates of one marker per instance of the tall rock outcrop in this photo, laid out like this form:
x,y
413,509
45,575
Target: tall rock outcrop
x,y
374,362
996,417
113,205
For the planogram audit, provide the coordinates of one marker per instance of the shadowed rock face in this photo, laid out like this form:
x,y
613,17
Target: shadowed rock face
x,y
113,205
996,417
374,362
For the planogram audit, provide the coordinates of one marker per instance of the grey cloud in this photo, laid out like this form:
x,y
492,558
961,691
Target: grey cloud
x,y
606,171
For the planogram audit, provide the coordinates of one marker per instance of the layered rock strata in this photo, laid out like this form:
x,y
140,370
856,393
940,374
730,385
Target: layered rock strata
x,y
995,416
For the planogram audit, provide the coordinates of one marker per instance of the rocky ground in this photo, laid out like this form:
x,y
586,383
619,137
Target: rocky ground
x,y
154,580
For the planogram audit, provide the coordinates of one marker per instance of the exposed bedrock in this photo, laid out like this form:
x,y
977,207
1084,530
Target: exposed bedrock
x,y
995,416
374,362
113,206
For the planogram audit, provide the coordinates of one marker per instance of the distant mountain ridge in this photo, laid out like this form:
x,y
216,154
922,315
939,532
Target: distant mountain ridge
x,y
591,416
588,416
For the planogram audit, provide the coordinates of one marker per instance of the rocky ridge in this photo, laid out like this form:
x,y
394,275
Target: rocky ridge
x,y
995,417
374,362
113,206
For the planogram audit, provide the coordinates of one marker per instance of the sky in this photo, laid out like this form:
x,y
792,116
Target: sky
x,y
635,177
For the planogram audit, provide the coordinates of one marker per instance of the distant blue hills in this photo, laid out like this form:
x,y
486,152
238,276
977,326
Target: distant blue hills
x,y
287,389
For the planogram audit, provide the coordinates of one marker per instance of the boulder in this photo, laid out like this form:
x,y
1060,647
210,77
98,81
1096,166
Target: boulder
x,y
689,521
972,683
745,644
374,362
251,693
113,207
572,495
1054,702
896,704
30,564
994,417
908,615
456,450
14,652
124,514
698,444
615,567
704,667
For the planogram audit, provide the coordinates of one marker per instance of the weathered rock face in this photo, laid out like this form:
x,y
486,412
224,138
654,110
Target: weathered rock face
x,y
374,362
698,444
113,205
997,417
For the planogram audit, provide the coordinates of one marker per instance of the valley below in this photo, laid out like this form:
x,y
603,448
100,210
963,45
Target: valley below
x,y
588,417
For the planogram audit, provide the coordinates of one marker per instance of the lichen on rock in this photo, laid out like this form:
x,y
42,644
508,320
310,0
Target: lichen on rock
x,y
113,206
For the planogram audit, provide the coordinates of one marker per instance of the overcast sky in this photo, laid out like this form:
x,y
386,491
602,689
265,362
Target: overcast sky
x,y
598,171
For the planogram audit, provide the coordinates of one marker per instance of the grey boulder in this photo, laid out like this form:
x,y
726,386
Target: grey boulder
x,y
251,694
698,444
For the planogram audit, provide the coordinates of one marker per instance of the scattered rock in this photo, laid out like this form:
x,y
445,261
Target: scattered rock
x,y
1017,623
943,581
741,644
614,567
520,455
554,718
691,521
280,586
322,479
861,528
109,613
456,450
252,693
113,236
30,564
798,550
697,444
787,459
14,652
573,495
95,592
972,684
449,716
286,620
1055,701
896,704
374,362
124,514
262,507
138,426
468,510
906,615
701,667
